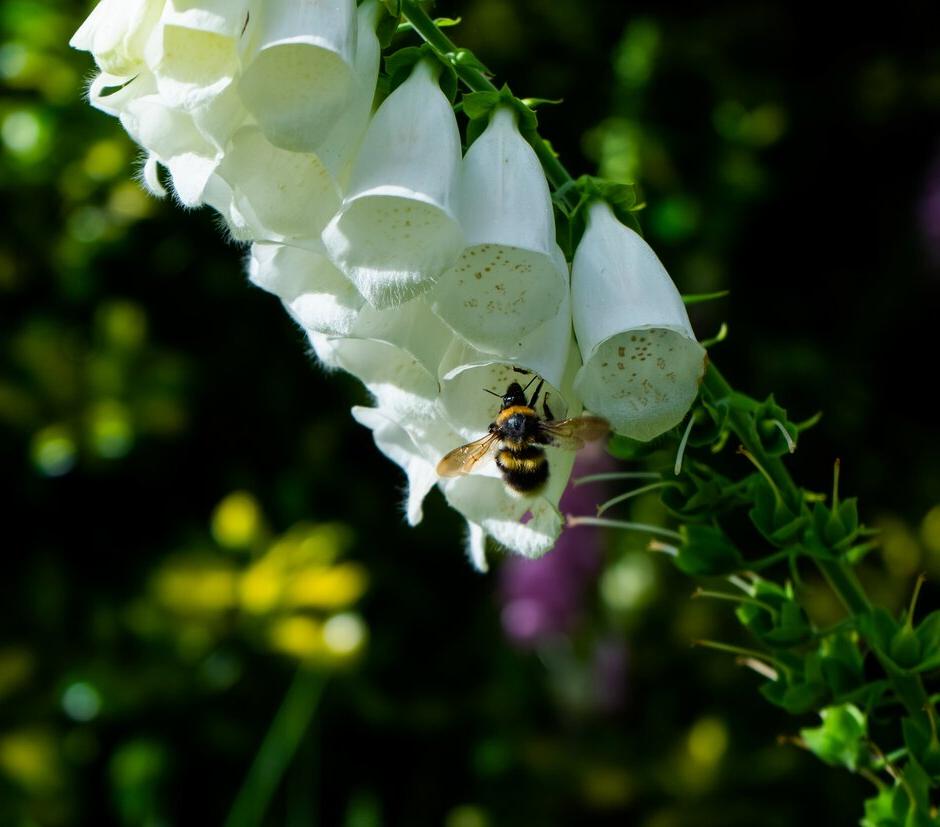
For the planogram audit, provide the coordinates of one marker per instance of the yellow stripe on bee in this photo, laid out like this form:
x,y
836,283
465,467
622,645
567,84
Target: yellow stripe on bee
x,y
504,414
511,462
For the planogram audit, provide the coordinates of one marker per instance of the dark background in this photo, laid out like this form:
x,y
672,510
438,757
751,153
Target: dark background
x,y
787,156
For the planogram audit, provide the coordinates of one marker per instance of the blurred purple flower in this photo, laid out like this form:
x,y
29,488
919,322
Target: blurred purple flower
x,y
542,598
929,210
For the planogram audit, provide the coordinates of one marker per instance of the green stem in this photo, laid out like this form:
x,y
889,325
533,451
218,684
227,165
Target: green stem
x,y
448,53
277,750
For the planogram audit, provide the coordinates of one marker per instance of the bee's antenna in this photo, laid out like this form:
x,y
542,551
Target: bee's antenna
x,y
493,393
534,377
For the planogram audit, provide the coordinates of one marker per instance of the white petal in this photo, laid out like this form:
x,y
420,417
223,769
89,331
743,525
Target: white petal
x,y
112,93
497,293
151,177
487,502
115,33
318,296
393,441
341,145
400,347
272,194
548,352
193,50
397,231
323,347
190,173
512,277
642,365
476,546
171,136
300,70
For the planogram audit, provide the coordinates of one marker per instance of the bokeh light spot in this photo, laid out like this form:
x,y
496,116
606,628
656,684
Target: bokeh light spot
x,y
81,702
707,741
344,634
112,433
237,520
629,583
930,530
466,815
53,451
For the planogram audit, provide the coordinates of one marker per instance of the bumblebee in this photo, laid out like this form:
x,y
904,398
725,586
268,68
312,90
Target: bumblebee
x,y
517,437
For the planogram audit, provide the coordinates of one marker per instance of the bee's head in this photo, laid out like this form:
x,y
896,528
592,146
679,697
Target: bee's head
x,y
514,395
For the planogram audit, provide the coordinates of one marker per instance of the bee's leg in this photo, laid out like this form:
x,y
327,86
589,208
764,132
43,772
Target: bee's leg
x,y
535,396
520,370
545,409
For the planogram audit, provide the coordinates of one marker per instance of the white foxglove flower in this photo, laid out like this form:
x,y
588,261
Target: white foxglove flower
x,y
315,293
193,51
267,193
116,32
413,434
642,364
397,230
512,276
299,68
548,352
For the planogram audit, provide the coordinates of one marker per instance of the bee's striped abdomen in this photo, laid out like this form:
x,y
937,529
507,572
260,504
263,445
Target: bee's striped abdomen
x,y
525,470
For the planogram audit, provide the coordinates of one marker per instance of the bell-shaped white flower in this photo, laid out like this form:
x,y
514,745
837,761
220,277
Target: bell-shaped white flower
x,y
397,230
512,275
116,32
299,69
193,51
548,352
267,193
314,292
410,430
642,364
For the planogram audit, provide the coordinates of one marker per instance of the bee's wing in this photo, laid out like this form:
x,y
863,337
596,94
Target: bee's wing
x,y
461,460
573,433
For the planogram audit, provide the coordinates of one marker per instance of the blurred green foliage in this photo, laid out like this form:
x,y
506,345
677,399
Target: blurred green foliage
x,y
192,519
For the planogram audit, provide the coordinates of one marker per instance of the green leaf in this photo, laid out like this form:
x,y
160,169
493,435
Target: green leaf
x,y
479,104
904,648
706,551
921,742
624,198
699,298
771,516
841,739
878,628
702,493
842,663
928,634
464,57
881,811
771,422
836,529
399,65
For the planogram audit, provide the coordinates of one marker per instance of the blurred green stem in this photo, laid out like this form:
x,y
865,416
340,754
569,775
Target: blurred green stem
x,y
278,748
